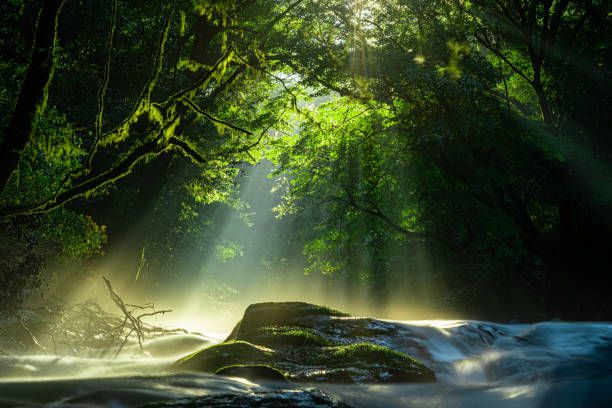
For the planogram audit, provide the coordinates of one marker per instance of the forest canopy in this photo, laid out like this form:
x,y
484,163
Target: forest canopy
x,y
415,144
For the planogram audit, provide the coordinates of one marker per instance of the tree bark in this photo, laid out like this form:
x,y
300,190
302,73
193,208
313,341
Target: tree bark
x,y
33,95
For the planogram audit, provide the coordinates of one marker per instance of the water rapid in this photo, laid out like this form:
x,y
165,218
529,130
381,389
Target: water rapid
x,y
477,364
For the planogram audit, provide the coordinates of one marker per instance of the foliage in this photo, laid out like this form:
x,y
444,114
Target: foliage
x,y
476,133
54,150
448,136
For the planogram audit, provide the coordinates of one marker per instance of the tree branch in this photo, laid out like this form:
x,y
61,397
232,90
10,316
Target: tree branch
x,y
145,95
199,111
378,213
121,170
491,48
135,322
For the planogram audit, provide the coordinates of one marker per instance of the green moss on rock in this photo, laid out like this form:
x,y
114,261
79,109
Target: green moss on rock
x,y
253,372
286,336
308,363
329,311
279,314
221,355
302,342
368,353
388,363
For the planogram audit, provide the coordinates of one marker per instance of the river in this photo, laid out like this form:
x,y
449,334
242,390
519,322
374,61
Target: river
x,y
477,364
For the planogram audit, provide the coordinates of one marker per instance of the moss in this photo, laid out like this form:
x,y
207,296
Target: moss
x,y
372,357
279,314
370,354
286,336
357,363
329,311
340,364
253,372
221,355
295,334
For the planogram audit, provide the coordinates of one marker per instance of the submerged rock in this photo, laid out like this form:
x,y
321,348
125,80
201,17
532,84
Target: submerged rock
x,y
306,343
308,398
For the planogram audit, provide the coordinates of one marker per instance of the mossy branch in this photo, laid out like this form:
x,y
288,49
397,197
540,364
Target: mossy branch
x,y
104,85
200,111
202,81
143,102
123,168
188,150
79,182
143,99
294,98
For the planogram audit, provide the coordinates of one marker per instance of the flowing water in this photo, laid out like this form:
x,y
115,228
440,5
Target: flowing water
x,y
478,364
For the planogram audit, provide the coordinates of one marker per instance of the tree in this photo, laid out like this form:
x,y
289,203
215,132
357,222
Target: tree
x,y
105,119
481,176
460,129
160,115
33,94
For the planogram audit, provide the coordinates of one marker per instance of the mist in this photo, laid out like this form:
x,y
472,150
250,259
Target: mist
x,y
256,258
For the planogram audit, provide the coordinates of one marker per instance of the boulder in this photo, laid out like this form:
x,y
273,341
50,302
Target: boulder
x,y
279,314
213,358
253,372
307,343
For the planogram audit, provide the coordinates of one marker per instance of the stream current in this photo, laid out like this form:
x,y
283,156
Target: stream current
x,y
477,364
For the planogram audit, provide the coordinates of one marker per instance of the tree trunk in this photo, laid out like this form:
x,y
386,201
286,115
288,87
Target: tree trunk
x,y
33,95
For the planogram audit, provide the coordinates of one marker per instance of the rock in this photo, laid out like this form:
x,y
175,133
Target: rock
x,y
253,372
285,336
213,358
278,314
174,344
306,398
308,343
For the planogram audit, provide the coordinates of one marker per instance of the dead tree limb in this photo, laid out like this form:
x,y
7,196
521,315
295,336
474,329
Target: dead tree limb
x,y
121,305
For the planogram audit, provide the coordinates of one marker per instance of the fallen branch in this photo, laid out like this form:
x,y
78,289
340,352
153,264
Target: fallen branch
x,y
84,328
121,305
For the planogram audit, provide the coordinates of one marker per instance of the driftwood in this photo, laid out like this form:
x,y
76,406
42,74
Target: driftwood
x,y
136,323
84,328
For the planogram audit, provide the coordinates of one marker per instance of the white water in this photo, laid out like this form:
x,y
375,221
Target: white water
x,y
478,364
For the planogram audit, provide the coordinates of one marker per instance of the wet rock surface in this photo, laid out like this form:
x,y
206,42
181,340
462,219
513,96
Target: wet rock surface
x,y
310,343
280,314
253,372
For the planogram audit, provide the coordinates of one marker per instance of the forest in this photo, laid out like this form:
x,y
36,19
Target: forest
x,y
451,156
314,203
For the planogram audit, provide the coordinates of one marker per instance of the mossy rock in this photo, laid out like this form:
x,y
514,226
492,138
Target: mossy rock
x,y
253,372
385,364
213,358
285,336
358,363
306,343
279,314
